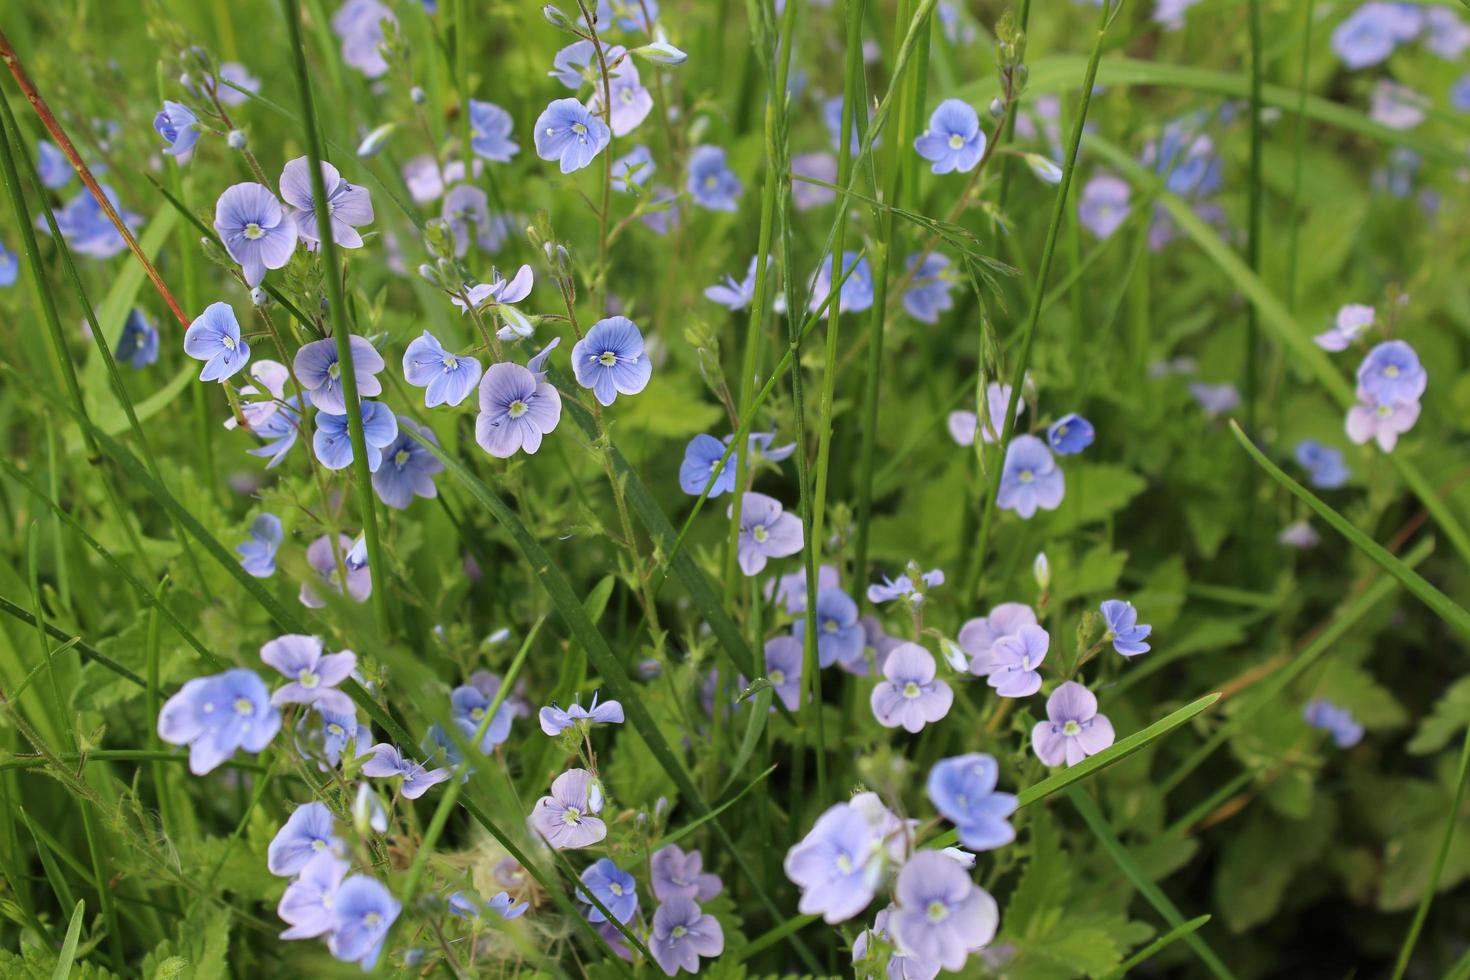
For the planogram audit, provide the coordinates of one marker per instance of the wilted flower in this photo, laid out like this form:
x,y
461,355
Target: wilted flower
x,y
178,126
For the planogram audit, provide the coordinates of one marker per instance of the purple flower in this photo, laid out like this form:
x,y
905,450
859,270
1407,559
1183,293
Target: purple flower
x,y
631,102
1351,322
735,295
962,788
1011,669
711,183
1030,478
9,267
832,119
791,587
910,695
54,167
313,676
1215,399
469,704
610,359
1073,729
214,338
839,863
138,344
1445,34
319,556
568,133
577,63
784,658
701,456
857,289
682,934
319,370
87,230
632,15
387,762
555,720
1338,722
348,205
307,903
490,132
1395,106
1323,464
1123,631
1369,35
338,730
567,818
766,532
1299,534
941,915
1103,206
979,635
903,588
254,229
632,169
408,469
461,905
258,555
839,634
676,874
963,425
928,292
448,378
821,166
236,74
498,295
309,831
218,714
954,141
613,887
332,442
662,210
517,408
1460,94
901,965
1382,421
467,210
363,911
876,640
1070,434
178,126
1391,373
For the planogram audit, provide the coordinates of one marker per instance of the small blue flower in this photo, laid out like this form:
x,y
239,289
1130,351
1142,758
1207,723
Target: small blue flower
x,y
1011,667
766,531
1123,631
387,762
632,15
832,119
784,658
468,905
214,338
611,361
910,695
255,229
447,378
468,704
857,289
1103,206
567,132
1030,478
954,141
903,587
54,167
962,789
364,911
840,637
490,132
1391,374
1460,94
306,905
929,288
314,676
632,169
578,63
9,267
1368,36
178,126
217,715
613,887
701,456
555,720
87,229
711,183
518,407
408,469
309,831
681,934
332,442
258,555
319,370
1338,722
735,295
348,205
138,344
631,102
941,915
1324,465
1070,434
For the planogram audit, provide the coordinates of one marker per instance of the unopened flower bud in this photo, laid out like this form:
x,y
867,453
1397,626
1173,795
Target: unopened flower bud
x,y
1041,570
418,95
236,139
259,296
997,108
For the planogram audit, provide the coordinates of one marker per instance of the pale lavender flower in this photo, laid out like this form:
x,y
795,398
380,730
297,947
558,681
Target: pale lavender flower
x,y
1011,669
319,556
910,695
469,905
631,102
217,715
1030,478
255,229
903,588
1215,399
567,818
979,635
1383,422
320,372
941,914
790,588
1392,373
1351,322
820,165
1103,206
1445,34
309,831
1369,35
1338,722
555,720
258,555
517,408
675,873
1299,534
839,635
839,864
348,205
364,911
901,965
490,132
766,531
963,425
387,763
681,934
732,294
1073,729
962,789
784,659
313,676
1395,106
306,905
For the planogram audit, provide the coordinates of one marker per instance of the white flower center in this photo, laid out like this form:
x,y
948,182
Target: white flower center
x,y
844,864
574,816
244,707
678,932
450,362
607,358
911,690
517,409
956,141
1384,411
1392,371
371,919
254,231
318,845
776,677
228,342
1072,728
760,534
579,129
400,458
615,888
1026,476
307,678
830,626
937,911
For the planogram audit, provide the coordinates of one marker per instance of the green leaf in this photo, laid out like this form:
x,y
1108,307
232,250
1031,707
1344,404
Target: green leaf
x,y
201,942
69,947
1451,713
1158,946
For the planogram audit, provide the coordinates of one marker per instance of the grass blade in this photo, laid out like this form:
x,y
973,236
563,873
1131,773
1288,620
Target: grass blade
x,y
69,947
1157,946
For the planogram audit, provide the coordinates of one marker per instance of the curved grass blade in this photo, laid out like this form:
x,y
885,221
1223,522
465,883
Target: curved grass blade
x,y
86,652
69,948
760,713
1157,946
1098,824
694,825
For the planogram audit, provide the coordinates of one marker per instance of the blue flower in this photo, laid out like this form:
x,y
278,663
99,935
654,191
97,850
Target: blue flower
x,y
839,864
681,934
632,169
929,287
1324,465
490,132
673,873
711,182
567,132
839,634
566,818
408,469
1460,94
701,456
467,210
9,267
766,531
309,831
784,658
1070,434
359,23
387,762
236,74
517,408
278,428
338,730
1391,374
463,905
217,715
578,63
1186,158
613,887
255,229
332,442
910,695
87,229
363,911
138,344
54,167
732,294
306,905
1103,206
610,359
178,126
631,102
941,915
1123,631
447,378
857,289
468,704
962,789
498,297
1030,478
903,587
632,15
1350,323
1369,35
319,370
313,676
258,555
832,119
1323,714
320,557
555,720
214,338
1011,664
954,141
348,205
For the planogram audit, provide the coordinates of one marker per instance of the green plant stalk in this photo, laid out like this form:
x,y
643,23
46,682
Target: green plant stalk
x,y
58,543
1422,912
1157,946
1299,138
341,331
1008,132
1028,336
1255,198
